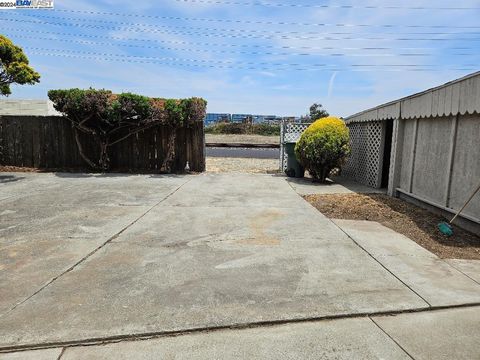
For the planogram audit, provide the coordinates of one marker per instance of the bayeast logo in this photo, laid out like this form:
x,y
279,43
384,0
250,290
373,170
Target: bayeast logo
x,y
36,4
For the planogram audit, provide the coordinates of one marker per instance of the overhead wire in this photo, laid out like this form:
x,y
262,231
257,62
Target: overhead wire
x,y
227,52
102,58
234,63
216,44
327,6
259,22
241,33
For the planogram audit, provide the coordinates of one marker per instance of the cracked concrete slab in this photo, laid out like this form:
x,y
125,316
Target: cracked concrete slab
x,y
432,278
231,255
44,234
340,339
471,268
237,190
47,354
446,334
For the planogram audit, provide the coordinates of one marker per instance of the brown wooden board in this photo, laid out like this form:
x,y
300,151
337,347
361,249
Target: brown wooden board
x,y
49,142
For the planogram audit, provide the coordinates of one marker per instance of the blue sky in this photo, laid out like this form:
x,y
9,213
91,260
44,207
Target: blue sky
x,y
250,56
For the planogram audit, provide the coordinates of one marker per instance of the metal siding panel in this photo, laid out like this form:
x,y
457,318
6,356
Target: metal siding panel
x,y
476,105
466,167
463,103
472,95
405,109
431,159
455,98
434,108
448,101
426,101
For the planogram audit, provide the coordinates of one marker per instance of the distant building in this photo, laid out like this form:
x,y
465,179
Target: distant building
x,y
27,107
238,118
213,118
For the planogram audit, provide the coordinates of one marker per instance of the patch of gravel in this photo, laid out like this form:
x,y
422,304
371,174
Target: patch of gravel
x,y
241,165
241,139
412,221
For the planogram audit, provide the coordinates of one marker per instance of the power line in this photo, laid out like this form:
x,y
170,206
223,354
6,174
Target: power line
x,y
231,45
259,22
102,58
325,6
240,35
229,62
208,51
275,32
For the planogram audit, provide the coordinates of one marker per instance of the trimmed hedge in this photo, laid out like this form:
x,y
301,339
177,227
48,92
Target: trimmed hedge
x,y
323,146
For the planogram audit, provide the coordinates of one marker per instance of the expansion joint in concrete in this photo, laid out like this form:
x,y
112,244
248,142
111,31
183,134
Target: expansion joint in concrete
x,y
61,353
201,330
462,272
82,260
391,338
383,266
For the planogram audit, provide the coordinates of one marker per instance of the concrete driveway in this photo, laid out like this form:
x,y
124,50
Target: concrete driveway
x,y
104,259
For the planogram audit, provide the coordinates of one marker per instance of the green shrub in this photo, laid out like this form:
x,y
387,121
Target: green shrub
x,y
242,128
323,146
111,118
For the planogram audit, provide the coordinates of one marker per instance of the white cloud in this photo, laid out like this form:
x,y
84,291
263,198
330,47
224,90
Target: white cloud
x,y
265,88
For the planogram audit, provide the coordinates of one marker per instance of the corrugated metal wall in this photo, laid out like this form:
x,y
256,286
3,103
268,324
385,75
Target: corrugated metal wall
x,y
435,147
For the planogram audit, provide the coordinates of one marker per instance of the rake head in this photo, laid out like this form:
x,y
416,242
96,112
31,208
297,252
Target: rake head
x,y
445,228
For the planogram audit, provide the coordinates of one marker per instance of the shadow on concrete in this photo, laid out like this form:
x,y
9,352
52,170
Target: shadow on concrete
x,y
83,175
9,178
336,185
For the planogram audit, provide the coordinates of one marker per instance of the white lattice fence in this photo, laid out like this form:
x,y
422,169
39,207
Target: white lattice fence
x,y
289,132
366,160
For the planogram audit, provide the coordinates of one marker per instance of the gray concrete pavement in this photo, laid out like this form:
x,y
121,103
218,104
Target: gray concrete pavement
x,y
429,276
87,258
446,334
340,339
48,223
223,250
471,268
46,354
339,185
442,334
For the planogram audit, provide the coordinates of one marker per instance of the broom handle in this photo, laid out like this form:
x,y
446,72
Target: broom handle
x,y
464,206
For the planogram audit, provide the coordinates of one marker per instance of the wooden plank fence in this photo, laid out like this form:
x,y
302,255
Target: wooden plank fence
x,y
48,142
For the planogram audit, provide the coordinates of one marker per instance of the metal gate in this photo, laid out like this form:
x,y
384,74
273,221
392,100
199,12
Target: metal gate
x,y
289,132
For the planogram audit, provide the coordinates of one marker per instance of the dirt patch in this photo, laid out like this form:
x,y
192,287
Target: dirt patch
x,y
412,221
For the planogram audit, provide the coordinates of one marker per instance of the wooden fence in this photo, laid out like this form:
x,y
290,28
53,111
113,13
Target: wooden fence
x,y
49,143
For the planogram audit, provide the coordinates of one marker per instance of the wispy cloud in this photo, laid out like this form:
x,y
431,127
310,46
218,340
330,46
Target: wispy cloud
x,y
247,59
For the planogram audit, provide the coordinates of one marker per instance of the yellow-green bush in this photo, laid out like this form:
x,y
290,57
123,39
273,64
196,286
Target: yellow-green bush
x,y
323,146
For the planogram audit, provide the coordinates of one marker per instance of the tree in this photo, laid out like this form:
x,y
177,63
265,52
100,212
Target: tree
x,y
317,112
110,118
14,68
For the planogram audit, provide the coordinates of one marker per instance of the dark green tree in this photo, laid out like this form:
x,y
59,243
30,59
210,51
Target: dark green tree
x,y
14,68
317,112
